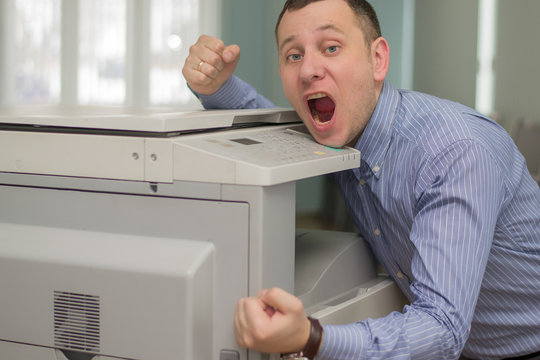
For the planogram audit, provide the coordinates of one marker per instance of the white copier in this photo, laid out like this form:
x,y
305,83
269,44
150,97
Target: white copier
x,y
132,233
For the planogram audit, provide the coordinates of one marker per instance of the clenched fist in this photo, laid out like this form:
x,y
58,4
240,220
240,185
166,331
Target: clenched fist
x,y
210,64
272,322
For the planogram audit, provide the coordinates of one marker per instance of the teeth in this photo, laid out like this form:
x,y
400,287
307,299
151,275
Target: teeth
x,y
317,96
314,113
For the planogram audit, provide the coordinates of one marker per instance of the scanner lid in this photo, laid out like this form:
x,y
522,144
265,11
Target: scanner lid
x,y
134,120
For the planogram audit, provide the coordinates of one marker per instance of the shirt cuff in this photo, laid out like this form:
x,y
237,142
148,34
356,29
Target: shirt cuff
x,y
342,342
234,94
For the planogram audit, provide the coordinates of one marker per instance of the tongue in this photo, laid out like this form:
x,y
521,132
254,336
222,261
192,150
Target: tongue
x,y
324,105
325,108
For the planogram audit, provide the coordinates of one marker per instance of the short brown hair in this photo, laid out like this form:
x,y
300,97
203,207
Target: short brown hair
x,y
367,18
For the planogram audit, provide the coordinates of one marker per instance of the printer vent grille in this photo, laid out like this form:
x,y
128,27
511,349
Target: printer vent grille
x,y
76,321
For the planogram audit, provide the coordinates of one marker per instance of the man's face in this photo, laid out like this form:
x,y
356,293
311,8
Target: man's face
x,y
327,71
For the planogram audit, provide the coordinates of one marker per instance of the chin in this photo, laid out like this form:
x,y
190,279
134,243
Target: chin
x,y
329,141
327,134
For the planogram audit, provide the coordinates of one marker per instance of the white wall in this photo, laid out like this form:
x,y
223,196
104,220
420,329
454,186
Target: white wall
x,y
517,62
445,55
445,49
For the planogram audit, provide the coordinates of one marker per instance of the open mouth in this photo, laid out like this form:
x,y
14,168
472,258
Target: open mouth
x,y
322,107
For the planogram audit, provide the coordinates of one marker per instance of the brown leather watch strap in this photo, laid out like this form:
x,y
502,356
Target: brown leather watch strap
x,y
313,344
315,337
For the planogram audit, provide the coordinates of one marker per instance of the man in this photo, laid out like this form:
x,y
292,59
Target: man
x,y
442,196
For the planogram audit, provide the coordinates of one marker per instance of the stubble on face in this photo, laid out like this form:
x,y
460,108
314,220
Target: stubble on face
x,y
346,76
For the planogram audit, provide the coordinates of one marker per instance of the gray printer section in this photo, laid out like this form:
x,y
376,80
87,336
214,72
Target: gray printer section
x,y
131,239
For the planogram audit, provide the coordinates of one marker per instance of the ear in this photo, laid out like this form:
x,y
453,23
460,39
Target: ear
x,y
380,56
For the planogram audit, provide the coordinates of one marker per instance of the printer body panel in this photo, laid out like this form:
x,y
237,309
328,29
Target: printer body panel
x,y
227,195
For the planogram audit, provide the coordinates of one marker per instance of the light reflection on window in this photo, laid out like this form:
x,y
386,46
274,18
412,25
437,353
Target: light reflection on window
x,y
102,51
37,51
174,26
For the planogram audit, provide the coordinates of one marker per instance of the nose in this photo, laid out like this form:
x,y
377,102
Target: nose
x,y
312,67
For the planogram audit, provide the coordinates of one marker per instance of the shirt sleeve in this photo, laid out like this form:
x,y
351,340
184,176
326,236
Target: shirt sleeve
x,y
235,94
458,196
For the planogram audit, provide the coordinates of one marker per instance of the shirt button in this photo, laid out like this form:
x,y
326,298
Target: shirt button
x,y
400,275
377,232
376,168
362,182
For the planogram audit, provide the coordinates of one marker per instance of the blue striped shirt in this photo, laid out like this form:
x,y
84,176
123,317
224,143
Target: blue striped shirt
x,y
449,208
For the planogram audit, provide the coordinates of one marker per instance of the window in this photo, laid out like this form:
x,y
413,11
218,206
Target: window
x,y
102,52
486,51
36,51
169,45
107,52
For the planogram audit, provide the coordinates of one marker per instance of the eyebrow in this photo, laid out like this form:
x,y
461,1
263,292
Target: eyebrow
x,y
319,29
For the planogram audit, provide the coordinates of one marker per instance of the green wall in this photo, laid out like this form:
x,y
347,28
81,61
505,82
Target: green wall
x,y
250,24
434,40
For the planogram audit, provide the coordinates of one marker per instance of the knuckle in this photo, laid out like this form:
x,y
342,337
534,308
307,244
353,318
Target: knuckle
x,y
213,59
203,79
247,342
274,292
297,305
217,44
258,336
213,72
193,48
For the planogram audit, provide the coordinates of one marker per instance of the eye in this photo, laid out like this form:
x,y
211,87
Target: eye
x,y
332,49
294,57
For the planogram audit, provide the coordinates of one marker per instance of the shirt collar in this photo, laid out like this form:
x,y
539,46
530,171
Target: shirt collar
x,y
375,140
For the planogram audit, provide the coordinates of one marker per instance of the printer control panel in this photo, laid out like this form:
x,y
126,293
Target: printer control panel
x,y
274,148
258,156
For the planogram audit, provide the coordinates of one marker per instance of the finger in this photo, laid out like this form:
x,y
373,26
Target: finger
x,y
210,64
198,73
207,49
240,323
258,326
219,56
194,77
231,54
211,70
212,58
269,310
280,332
214,44
282,301
250,318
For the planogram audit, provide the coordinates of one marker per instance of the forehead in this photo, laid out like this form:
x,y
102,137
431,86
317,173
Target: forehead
x,y
326,14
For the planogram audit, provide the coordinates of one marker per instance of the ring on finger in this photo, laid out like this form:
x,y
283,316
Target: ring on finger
x,y
200,65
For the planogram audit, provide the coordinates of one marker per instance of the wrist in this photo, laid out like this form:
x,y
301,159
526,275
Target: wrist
x,y
218,97
313,344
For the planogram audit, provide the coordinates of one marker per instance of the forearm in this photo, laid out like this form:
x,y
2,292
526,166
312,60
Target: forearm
x,y
235,94
414,334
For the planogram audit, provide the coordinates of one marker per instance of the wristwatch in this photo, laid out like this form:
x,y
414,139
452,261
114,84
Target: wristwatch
x,y
312,346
